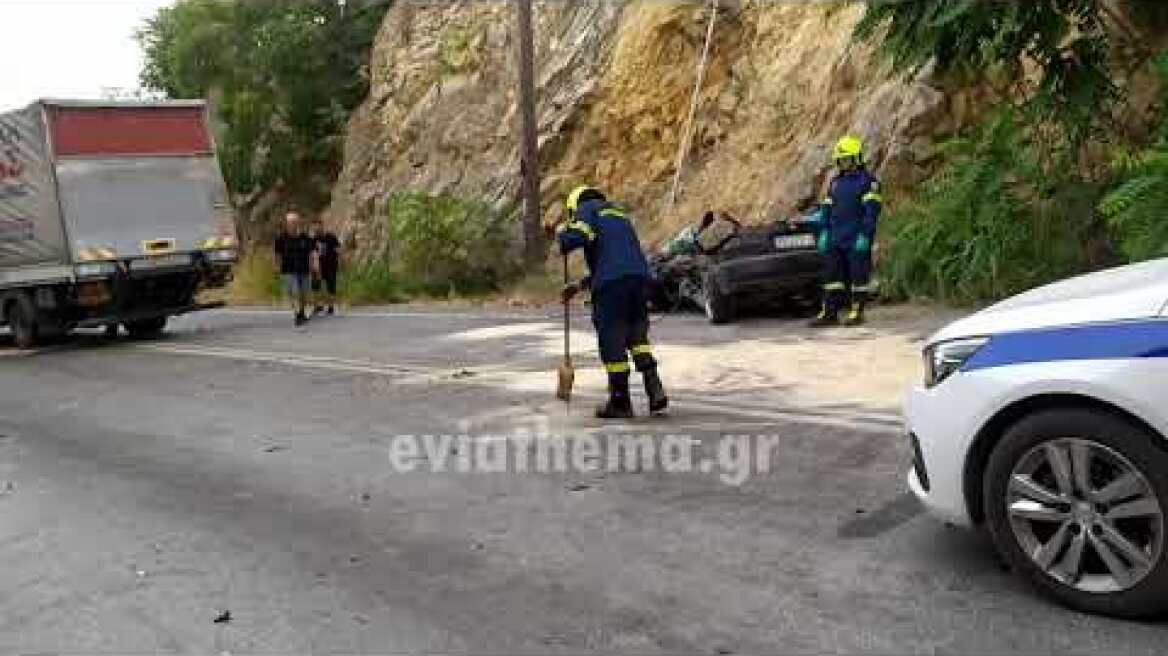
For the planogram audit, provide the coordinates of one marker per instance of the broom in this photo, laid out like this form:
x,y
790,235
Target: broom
x,y
567,373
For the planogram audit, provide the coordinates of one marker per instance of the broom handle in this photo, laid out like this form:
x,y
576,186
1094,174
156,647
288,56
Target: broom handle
x,y
567,317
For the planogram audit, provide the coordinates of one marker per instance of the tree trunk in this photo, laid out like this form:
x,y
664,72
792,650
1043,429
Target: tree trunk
x,y
533,239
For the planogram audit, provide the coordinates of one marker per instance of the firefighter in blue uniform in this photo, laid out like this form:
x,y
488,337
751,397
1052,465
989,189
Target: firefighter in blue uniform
x,y
618,276
847,230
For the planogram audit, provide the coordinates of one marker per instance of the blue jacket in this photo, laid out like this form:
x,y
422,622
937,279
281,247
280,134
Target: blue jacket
x,y
852,208
609,240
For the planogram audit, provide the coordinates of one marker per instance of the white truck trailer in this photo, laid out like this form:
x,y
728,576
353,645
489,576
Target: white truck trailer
x,y
111,214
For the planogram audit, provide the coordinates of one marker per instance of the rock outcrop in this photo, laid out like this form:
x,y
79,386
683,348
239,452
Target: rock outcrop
x,y
615,79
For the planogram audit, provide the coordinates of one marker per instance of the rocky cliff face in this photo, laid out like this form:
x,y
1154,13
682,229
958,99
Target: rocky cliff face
x,y
783,81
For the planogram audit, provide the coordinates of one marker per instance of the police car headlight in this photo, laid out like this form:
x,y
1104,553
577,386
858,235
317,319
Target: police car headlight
x,y
944,359
95,269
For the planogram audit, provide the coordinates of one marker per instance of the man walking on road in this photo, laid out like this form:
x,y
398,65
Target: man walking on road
x,y
328,260
618,277
294,251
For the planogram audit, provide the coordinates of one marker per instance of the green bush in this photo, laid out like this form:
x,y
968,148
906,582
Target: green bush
x,y
442,245
1135,209
994,221
257,279
370,283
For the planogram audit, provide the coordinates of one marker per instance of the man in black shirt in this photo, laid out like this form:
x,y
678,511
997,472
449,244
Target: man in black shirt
x,y
294,251
328,249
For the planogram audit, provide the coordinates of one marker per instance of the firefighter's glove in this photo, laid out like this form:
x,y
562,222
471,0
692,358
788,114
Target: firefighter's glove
x,y
863,244
824,242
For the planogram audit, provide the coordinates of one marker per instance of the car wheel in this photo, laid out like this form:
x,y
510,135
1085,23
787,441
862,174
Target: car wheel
x,y
146,328
1076,502
22,320
719,307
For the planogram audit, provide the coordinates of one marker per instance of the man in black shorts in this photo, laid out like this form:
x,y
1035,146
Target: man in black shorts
x,y
328,253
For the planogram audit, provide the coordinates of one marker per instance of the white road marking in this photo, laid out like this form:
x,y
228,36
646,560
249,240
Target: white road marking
x,y
503,331
496,378
308,361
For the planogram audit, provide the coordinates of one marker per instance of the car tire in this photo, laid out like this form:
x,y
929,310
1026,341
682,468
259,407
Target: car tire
x,y
146,328
1091,537
719,307
22,321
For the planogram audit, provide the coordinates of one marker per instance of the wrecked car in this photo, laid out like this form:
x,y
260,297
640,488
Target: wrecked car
x,y
723,268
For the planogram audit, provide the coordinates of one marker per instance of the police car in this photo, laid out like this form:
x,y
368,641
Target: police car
x,y
1044,419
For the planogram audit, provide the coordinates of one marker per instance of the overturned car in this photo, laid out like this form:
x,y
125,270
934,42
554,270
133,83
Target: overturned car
x,y
722,268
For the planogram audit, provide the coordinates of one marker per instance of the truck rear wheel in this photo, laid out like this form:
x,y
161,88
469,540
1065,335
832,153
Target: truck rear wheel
x,y
22,320
146,328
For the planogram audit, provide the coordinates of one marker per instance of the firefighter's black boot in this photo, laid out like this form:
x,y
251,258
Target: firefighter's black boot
x,y
855,315
829,314
647,365
658,401
619,405
826,317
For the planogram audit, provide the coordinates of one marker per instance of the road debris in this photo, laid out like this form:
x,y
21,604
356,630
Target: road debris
x,y
223,618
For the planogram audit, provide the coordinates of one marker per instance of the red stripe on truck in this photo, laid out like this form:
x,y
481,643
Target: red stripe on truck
x,y
113,131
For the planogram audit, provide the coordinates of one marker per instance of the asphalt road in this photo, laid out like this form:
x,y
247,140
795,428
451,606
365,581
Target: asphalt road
x,y
241,465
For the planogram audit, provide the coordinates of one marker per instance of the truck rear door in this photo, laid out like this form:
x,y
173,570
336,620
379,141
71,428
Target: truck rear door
x,y
138,181
30,225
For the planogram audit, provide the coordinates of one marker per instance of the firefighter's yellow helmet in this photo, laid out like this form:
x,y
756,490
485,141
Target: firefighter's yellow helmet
x,y
849,147
574,197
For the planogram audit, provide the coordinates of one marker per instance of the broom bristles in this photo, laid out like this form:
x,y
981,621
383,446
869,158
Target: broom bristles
x,y
567,377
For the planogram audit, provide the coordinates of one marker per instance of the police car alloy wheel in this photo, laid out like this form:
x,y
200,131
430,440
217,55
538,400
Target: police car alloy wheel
x,y
1076,501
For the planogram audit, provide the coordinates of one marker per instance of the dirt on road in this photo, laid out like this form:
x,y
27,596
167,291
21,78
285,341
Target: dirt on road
x,y
761,360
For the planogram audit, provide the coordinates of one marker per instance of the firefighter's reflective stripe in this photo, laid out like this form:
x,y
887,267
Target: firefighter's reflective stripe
x,y
873,197
642,349
835,286
617,367
614,213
